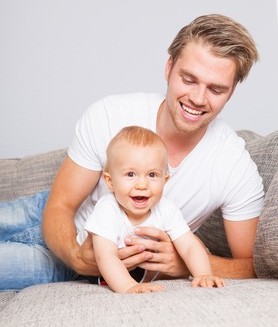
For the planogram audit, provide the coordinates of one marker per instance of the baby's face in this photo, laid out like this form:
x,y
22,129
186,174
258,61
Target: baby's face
x,y
138,175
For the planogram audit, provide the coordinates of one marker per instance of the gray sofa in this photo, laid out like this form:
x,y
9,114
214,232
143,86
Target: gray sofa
x,y
251,302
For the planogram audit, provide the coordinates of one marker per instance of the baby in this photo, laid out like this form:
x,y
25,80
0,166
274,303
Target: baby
x,y
136,172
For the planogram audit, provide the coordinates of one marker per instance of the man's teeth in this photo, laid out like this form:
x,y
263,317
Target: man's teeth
x,y
191,111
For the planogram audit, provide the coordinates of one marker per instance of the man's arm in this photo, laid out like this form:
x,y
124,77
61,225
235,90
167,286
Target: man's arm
x,y
241,239
232,268
71,187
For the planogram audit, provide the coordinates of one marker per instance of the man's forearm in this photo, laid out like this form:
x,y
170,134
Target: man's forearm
x,y
58,235
232,268
71,187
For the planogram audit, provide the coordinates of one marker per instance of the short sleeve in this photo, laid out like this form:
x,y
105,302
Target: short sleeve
x,y
173,222
91,137
104,220
244,194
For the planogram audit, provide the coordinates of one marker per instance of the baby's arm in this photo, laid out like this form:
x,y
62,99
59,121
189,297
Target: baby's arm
x,y
114,271
197,261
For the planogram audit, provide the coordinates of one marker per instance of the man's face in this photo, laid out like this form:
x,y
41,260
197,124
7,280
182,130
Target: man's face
x,y
199,85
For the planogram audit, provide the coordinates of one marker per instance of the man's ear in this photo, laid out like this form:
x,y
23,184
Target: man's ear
x,y
108,180
168,68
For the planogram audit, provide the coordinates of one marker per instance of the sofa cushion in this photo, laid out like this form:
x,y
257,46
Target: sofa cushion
x,y
5,297
266,245
242,303
31,174
264,152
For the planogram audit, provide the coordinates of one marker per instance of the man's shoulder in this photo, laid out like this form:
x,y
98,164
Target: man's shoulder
x,y
219,127
228,149
222,133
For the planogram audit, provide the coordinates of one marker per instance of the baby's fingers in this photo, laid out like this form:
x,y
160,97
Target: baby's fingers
x,y
146,288
219,282
208,281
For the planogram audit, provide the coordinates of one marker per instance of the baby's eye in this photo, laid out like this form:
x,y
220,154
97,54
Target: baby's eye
x,y
152,175
130,174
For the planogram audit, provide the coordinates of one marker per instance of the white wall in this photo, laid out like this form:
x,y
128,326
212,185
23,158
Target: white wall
x,y
58,56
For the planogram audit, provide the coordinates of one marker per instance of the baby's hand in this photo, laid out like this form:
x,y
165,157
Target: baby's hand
x,y
208,281
145,288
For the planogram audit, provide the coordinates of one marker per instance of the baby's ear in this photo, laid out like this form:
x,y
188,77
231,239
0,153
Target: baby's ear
x,y
167,177
108,180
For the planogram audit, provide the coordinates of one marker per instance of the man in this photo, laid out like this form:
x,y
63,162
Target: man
x,y
208,164
207,60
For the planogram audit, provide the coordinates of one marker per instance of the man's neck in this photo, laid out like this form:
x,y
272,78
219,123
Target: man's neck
x,y
179,144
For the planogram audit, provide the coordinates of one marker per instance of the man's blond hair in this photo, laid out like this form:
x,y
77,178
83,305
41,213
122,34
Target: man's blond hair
x,y
225,38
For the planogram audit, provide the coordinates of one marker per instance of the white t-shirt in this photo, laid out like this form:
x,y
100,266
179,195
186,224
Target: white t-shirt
x,y
218,172
110,221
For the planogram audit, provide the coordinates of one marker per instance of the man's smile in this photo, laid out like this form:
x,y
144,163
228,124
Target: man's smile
x,y
191,111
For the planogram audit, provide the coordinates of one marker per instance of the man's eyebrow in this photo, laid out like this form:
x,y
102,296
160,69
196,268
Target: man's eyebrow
x,y
184,72
221,87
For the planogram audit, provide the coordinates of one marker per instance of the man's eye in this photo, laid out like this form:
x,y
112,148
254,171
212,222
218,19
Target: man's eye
x,y
187,81
216,91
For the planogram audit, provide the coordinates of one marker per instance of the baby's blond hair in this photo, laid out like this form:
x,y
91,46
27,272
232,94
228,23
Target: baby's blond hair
x,y
134,135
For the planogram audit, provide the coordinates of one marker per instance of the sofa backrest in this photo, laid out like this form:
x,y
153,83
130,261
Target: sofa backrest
x,y
28,175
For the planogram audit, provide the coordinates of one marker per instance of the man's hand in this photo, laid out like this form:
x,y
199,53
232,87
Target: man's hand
x,y
159,254
85,263
134,255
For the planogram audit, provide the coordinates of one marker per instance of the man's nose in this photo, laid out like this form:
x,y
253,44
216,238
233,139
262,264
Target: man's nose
x,y
198,96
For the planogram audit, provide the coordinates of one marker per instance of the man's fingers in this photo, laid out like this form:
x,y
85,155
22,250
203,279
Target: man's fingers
x,y
132,256
151,238
129,251
136,260
148,244
152,233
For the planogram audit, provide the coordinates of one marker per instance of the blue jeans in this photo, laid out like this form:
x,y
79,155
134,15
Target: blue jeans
x,y
25,260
